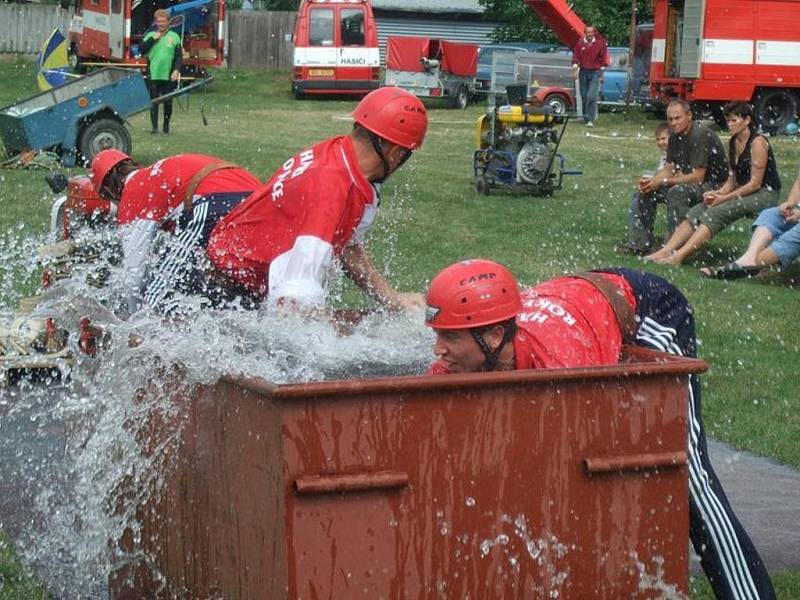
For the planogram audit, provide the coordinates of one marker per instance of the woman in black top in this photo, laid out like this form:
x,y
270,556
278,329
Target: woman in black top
x,y
753,184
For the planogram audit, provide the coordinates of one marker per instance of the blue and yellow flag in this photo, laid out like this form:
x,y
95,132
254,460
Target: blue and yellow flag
x,y
52,62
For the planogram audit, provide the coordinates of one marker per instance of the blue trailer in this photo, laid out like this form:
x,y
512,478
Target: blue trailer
x,y
77,119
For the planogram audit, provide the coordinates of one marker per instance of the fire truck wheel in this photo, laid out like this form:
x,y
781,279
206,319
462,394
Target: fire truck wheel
x,y
558,103
461,98
103,134
775,108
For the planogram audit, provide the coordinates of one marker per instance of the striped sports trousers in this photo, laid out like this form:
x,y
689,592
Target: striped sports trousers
x,y
176,268
728,556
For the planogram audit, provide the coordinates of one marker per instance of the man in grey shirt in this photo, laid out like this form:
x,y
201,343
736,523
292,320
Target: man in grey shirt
x,y
695,164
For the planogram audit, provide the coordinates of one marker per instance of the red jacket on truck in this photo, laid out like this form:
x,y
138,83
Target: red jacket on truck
x,y
713,51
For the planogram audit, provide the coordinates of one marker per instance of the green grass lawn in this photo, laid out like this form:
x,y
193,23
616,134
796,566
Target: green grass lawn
x,y
431,216
15,582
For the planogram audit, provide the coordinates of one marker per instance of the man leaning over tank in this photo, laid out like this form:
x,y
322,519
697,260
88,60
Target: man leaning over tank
x,y
483,322
278,244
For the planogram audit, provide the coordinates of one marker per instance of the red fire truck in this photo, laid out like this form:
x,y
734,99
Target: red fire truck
x,y
712,51
109,31
335,48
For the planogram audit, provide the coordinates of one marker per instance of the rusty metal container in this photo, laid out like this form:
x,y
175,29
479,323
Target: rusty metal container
x,y
556,483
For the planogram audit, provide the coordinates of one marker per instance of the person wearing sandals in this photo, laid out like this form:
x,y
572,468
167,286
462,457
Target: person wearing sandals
x,y
775,240
753,185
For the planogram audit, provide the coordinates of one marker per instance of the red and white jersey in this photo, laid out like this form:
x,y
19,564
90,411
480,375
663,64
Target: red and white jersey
x,y
154,196
282,239
156,193
565,322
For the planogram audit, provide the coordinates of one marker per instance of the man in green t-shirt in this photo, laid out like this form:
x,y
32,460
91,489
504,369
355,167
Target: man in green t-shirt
x,y
695,164
164,54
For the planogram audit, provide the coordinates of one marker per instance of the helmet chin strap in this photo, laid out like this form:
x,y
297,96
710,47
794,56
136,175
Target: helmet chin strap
x,y
376,145
387,169
490,355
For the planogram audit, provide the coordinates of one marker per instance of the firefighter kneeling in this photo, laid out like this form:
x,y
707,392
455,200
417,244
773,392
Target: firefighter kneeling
x,y
484,323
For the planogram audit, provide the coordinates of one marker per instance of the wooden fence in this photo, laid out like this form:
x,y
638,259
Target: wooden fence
x,y
260,39
25,27
256,39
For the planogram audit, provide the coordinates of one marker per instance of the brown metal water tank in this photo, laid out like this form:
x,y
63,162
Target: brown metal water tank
x,y
568,483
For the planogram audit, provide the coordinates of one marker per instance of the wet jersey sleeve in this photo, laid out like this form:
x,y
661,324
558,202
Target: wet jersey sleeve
x,y
137,240
300,273
316,208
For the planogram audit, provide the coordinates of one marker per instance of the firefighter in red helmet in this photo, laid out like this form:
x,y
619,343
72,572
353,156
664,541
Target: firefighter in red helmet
x,y
484,323
106,169
473,306
184,195
316,207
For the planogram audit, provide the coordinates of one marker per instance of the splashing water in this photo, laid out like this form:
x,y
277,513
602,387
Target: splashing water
x,y
654,582
544,554
78,457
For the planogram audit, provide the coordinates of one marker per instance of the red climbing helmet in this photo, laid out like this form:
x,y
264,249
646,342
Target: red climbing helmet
x,y
472,293
103,162
395,115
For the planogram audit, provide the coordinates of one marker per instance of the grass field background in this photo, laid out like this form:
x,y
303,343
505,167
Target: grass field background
x,y
431,216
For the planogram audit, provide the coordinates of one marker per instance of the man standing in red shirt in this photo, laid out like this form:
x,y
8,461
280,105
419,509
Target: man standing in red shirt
x,y
483,323
589,58
280,242
185,195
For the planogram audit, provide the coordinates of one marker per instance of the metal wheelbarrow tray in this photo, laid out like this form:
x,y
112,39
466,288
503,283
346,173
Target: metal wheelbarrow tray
x,y
530,484
82,117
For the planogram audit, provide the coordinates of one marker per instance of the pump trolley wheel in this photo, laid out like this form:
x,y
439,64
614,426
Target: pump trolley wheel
x,y
103,134
482,185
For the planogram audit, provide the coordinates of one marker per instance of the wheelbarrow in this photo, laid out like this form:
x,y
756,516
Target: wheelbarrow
x,y
82,117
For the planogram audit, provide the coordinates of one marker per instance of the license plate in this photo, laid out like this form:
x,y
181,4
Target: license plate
x,y
320,72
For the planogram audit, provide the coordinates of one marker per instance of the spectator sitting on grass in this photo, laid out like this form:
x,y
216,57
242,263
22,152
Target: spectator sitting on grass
x,y
753,185
634,212
695,164
776,239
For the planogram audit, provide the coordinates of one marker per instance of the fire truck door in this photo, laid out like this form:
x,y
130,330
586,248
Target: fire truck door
x,y
116,29
692,42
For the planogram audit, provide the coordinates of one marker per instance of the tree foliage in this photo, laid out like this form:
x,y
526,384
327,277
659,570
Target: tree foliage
x,y
290,5
520,23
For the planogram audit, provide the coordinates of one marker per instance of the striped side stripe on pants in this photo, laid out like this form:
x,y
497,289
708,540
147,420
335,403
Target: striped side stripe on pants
x,y
729,559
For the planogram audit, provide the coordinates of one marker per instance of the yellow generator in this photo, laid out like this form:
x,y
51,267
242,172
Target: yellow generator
x,y
518,149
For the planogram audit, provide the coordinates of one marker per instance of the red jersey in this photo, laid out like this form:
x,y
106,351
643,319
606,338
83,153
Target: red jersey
x,y
156,193
565,322
282,238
